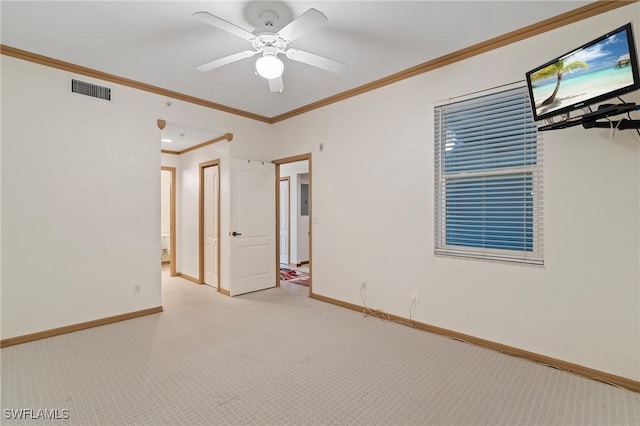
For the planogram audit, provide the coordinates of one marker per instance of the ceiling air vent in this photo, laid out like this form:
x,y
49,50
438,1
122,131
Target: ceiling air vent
x,y
89,89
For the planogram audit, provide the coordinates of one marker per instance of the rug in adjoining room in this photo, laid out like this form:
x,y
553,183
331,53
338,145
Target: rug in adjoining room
x,y
289,274
294,276
302,280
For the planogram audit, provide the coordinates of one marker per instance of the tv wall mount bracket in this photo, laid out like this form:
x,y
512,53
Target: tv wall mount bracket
x,y
590,119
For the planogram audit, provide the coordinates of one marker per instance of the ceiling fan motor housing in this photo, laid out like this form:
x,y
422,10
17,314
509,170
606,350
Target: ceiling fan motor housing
x,y
266,39
269,18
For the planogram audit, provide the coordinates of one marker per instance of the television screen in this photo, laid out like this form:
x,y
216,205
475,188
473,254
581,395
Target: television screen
x,y
601,69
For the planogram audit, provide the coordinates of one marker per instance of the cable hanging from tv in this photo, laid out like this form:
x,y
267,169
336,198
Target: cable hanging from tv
x,y
590,119
601,69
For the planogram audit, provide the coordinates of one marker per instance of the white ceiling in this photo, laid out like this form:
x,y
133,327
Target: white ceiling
x,y
160,43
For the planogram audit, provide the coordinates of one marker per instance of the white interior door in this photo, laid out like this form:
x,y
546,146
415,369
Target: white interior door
x,y
211,185
284,221
252,226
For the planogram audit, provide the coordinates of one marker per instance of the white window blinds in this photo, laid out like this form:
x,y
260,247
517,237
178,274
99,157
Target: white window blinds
x,y
488,178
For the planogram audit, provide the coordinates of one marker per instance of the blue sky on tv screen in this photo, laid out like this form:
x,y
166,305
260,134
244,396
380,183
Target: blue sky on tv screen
x,y
600,56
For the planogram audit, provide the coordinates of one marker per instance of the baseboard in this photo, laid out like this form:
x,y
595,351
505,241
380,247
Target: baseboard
x,y
165,262
197,281
587,372
77,327
187,277
304,262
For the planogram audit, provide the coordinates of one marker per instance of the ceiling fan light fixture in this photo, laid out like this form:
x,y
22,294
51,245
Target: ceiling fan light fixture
x,y
269,67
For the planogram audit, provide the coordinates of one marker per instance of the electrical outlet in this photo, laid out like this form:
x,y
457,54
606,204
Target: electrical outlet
x,y
136,289
364,285
414,295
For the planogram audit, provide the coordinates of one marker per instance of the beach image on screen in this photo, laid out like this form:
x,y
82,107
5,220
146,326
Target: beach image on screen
x,y
583,74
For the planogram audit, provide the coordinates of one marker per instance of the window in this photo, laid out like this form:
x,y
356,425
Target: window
x,y
488,178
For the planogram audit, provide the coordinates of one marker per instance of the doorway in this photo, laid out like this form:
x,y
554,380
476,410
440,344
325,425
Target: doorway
x,y
285,220
209,224
297,219
168,218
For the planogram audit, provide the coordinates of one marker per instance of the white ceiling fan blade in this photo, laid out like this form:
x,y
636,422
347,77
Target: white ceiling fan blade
x,y
226,60
304,23
276,85
210,19
316,60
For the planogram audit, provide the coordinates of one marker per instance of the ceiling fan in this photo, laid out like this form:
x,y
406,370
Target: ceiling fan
x,y
270,44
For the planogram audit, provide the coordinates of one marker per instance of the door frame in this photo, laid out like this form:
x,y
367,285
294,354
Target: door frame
x,y
172,220
288,179
278,162
201,168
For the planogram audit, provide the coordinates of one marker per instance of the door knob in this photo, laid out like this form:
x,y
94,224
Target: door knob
x,y
235,234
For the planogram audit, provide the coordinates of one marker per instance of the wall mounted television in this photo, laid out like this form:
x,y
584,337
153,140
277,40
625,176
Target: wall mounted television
x,y
594,72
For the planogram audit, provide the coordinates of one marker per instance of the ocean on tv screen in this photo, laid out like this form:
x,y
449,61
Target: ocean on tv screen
x,y
581,88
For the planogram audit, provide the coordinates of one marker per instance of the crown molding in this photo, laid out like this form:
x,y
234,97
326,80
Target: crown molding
x,y
99,75
579,14
584,12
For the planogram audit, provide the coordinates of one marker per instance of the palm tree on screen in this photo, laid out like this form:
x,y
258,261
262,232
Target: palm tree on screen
x,y
557,69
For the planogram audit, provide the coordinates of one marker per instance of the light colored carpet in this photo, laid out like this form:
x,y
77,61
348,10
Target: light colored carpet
x,y
278,357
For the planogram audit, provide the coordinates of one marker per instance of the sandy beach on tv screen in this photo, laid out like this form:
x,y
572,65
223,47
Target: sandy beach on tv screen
x,y
580,89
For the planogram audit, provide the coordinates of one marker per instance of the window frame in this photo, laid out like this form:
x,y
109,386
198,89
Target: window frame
x,y
532,165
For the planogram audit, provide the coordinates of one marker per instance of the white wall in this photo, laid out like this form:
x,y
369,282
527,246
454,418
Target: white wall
x,y
80,197
165,202
251,140
187,204
373,204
